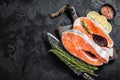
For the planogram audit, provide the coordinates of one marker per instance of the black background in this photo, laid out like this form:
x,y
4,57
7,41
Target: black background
x,y
24,48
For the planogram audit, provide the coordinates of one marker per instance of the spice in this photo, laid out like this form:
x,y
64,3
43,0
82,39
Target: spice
x,y
107,11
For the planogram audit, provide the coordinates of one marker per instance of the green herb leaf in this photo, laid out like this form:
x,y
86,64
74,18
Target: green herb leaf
x,y
85,26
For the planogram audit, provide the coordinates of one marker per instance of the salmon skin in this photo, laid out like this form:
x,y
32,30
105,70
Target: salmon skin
x,y
84,48
95,28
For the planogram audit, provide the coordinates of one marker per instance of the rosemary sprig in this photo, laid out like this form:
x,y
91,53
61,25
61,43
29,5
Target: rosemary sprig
x,y
86,27
71,61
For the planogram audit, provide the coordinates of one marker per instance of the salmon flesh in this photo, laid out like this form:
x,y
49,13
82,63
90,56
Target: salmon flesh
x,y
82,44
96,29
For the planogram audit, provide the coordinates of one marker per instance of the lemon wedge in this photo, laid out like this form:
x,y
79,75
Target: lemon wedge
x,y
101,19
92,14
108,27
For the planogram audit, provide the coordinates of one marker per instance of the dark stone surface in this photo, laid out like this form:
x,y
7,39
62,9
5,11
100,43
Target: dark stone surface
x,y
23,47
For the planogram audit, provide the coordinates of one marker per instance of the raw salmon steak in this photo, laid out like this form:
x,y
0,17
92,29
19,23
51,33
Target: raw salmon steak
x,y
97,31
84,48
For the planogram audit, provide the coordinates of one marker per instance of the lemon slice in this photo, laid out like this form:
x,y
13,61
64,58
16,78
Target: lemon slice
x,y
92,14
101,19
108,27
104,24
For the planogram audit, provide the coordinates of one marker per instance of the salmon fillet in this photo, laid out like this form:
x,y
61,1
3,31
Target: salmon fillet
x,y
84,48
94,27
